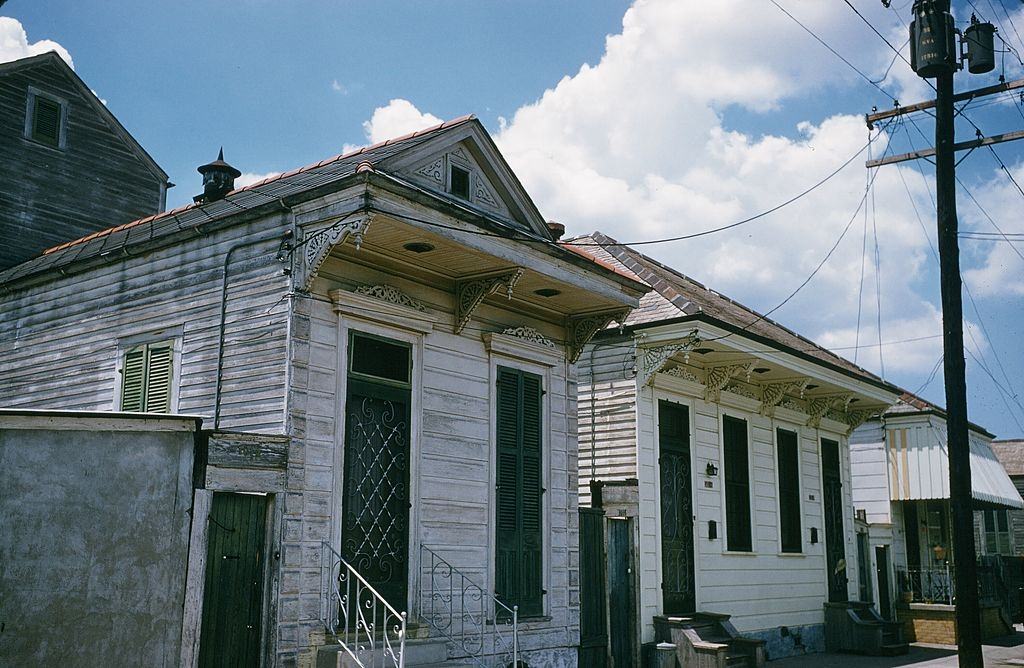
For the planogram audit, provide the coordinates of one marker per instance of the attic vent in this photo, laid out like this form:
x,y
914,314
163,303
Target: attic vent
x,y
459,181
45,121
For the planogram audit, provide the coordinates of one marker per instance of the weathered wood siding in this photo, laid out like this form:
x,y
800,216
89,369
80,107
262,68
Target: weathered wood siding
x,y
60,340
49,196
870,468
607,414
765,588
452,472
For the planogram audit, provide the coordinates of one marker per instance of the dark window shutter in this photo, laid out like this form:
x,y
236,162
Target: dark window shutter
x,y
133,378
46,121
518,563
789,490
737,485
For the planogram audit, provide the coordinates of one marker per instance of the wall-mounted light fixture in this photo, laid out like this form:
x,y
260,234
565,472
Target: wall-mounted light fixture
x,y
814,535
711,469
712,530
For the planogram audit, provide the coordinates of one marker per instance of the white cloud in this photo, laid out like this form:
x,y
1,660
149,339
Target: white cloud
x,y
249,178
339,87
398,117
1000,267
14,43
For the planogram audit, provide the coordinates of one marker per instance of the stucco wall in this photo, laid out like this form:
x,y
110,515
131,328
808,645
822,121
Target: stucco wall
x,y
94,543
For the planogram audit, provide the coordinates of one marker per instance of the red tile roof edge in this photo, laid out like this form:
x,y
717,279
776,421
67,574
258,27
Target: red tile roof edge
x,y
579,250
341,156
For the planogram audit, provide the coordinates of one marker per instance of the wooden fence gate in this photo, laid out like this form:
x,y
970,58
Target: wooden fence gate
x,y
593,651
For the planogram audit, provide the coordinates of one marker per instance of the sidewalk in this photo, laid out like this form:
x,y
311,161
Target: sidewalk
x,y
1007,651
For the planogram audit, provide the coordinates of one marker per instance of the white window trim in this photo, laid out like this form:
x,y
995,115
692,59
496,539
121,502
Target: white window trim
x,y
126,343
515,353
33,93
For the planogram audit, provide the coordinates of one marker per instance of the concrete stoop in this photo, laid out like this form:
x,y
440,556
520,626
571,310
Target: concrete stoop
x,y
709,640
418,653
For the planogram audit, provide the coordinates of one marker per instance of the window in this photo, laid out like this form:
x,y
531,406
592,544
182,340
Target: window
x,y
997,532
381,359
146,378
460,182
519,540
737,485
45,119
789,490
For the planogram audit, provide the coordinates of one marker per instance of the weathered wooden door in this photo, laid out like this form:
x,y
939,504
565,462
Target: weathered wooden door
x,y
375,506
882,568
835,547
593,591
233,593
677,583
621,593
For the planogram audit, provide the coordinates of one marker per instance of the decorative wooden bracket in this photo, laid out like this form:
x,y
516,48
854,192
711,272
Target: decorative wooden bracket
x,y
817,407
529,334
582,328
319,242
471,291
390,294
772,394
653,359
718,377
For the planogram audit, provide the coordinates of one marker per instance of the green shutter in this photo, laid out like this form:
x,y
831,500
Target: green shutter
x,y
133,379
158,378
518,561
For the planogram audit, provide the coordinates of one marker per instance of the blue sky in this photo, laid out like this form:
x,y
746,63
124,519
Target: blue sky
x,y
645,121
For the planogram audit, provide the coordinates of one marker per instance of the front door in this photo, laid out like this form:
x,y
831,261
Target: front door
x,y
882,566
677,584
621,617
835,549
375,503
233,592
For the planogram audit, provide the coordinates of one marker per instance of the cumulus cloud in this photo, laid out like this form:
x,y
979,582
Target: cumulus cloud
x,y
14,43
1000,263
396,118
249,178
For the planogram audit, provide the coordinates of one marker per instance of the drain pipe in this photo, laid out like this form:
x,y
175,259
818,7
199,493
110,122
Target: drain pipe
x,y
284,237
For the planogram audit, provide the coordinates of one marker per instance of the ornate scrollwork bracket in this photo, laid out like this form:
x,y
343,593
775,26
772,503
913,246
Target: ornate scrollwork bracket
x,y
653,359
582,328
772,394
817,407
718,377
320,241
529,334
471,291
390,294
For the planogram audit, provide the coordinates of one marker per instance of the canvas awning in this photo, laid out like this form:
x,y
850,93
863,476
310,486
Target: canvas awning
x,y
919,467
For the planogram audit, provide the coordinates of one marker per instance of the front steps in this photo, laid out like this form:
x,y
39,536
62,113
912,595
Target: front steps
x,y
419,653
709,640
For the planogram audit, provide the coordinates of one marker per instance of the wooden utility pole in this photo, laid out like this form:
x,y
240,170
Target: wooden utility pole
x,y
934,54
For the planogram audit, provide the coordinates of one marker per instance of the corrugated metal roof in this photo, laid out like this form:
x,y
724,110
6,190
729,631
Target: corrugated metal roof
x,y
120,239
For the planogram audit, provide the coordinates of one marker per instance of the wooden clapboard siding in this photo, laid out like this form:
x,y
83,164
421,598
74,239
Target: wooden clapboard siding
x,y
59,339
451,473
49,196
870,471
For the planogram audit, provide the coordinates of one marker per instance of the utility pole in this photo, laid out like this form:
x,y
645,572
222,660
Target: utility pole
x,y
934,54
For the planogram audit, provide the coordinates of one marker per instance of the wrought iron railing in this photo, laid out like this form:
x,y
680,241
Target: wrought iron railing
x,y
478,626
931,585
366,626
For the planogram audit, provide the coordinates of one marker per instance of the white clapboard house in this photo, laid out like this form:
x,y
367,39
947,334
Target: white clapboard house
x,y
900,466
720,442
406,319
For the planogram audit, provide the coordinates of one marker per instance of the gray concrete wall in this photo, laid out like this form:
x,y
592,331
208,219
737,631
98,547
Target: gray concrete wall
x,y
94,531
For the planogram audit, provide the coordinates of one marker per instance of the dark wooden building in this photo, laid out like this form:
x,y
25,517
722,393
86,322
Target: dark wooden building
x,y
67,166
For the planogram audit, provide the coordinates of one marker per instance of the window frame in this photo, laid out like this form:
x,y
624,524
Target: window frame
x,y
30,113
728,528
799,490
147,345
350,358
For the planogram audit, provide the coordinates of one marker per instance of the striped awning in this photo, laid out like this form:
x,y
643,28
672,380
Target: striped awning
x,y
919,467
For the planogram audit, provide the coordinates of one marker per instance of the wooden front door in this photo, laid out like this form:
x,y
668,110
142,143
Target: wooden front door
x,y
835,548
233,593
621,596
677,581
884,595
593,591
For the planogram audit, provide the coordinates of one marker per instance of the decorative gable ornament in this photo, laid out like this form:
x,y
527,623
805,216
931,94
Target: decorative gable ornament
x,y
529,334
434,171
682,372
390,294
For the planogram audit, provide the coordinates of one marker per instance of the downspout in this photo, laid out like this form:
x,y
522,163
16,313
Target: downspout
x,y
224,306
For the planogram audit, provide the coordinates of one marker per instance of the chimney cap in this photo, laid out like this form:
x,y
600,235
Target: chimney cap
x,y
556,228
219,165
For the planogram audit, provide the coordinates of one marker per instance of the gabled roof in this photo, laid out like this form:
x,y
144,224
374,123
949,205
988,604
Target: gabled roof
x,y
1011,455
910,404
677,297
52,59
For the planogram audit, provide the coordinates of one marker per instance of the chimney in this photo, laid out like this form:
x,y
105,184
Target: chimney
x,y
218,179
557,229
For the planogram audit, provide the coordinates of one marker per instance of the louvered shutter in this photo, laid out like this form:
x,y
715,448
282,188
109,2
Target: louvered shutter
x,y
518,563
158,378
133,379
46,121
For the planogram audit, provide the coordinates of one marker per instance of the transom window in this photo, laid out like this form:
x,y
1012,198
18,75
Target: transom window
x,y
381,359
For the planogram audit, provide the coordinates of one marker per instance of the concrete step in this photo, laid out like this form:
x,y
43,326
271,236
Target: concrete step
x,y
895,649
424,652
